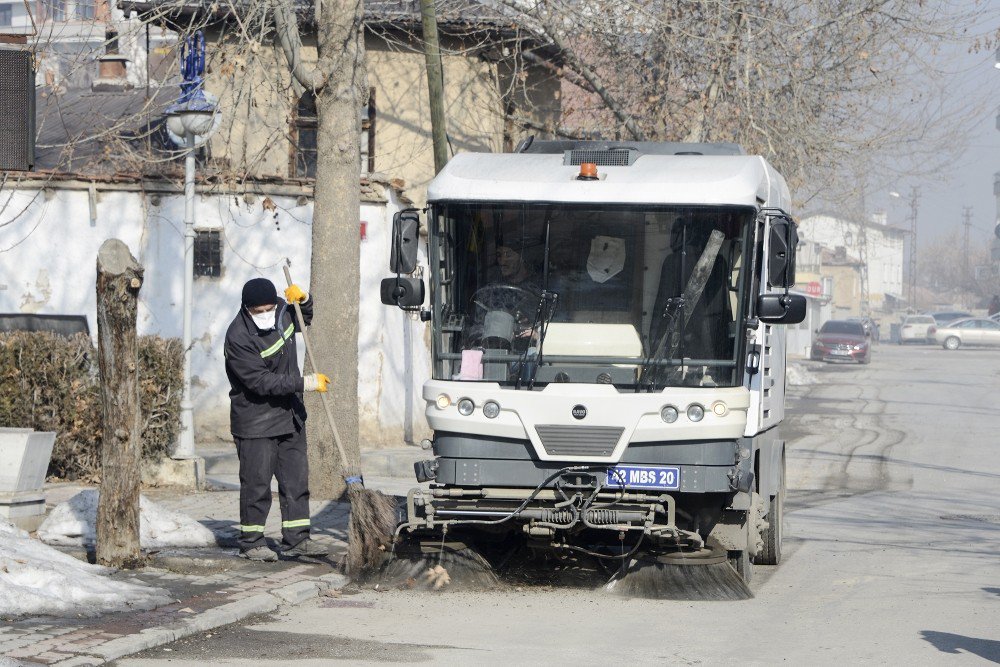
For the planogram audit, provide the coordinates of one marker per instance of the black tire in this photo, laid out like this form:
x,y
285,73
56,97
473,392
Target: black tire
x,y
952,343
770,554
741,562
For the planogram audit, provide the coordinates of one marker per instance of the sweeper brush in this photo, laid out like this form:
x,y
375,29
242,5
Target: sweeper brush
x,y
413,565
373,514
669,581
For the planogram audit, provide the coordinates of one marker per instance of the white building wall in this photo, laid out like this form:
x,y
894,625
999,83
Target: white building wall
x,y
884,250
49,244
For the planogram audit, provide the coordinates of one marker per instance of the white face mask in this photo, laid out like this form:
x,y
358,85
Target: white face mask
x,y
264,321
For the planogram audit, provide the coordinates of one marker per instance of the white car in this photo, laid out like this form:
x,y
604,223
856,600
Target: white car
x,y
914,329
971,331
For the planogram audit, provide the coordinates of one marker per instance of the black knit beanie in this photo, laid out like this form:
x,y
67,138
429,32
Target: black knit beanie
x,y
259,292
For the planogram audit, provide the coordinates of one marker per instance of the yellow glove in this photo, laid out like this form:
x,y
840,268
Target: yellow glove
x,y
315,382
294,294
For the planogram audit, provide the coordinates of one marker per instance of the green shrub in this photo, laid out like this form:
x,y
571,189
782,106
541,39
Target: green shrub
x,y
50,383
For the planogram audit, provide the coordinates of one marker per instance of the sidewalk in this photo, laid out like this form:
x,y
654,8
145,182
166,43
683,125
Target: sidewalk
x,y
212,587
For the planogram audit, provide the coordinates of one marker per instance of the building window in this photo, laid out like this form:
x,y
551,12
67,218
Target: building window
x,y
56,9
84,10
6,15
303,154
208,254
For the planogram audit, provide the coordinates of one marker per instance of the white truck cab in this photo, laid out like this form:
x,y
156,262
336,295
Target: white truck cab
x,y
608,348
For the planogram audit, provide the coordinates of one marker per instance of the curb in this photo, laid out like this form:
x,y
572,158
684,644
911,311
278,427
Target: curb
x,y
225,614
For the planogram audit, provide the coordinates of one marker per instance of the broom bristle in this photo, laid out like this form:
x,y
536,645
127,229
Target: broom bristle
x,y
370,530
462,568
717,581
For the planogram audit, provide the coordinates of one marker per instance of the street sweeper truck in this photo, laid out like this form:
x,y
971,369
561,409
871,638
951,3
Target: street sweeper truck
x,y
607,323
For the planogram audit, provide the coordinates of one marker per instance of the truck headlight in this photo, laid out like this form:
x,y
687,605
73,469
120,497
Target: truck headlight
x,y
668,413
443,401
491,409
720,409
466,406
695,412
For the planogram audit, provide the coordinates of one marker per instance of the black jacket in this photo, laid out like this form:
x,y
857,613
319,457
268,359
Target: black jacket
x,y
263,370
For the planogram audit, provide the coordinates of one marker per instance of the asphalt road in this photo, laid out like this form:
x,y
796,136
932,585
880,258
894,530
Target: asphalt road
x,y
892,555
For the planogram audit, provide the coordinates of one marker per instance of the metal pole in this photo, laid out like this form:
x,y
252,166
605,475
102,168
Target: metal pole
x,y
435,83
914,196
185,443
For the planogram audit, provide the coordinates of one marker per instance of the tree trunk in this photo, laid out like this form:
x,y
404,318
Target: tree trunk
x,y
336,240
119,277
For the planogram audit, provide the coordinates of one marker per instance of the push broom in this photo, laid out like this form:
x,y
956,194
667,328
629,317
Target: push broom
x,y
373,514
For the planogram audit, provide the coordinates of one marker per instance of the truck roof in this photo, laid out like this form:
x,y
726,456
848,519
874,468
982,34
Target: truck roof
x,y
639,178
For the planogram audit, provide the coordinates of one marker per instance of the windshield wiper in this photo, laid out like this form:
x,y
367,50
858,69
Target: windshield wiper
x,y
679,312
540,323
672,313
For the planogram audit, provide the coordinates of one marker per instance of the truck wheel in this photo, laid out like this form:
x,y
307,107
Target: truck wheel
x,y
952,343
742,563
770,554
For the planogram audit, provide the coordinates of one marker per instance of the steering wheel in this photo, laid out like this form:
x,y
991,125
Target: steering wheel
x,y
509,298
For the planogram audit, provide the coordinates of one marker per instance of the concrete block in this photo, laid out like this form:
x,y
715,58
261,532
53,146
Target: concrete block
x,y
261,603
298,592
80,661
24,459
148,638
189,473
334,580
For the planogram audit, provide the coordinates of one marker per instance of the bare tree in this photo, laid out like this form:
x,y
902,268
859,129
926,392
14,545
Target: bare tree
x,y
812,85
340,85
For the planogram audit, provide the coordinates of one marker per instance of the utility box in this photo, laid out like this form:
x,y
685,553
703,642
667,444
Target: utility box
x,y
17,109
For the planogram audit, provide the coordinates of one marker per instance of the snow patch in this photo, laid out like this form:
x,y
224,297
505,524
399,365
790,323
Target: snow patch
x,y
36,579
799,375
74,523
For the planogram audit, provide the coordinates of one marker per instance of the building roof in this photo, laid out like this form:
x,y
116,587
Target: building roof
x,y
84,131
451,14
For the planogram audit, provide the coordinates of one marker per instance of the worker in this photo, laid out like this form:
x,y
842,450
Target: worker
x,y
267,417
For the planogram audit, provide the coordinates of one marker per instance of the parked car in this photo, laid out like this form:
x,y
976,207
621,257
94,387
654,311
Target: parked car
x,y
914,329
995,317
970,331
946,316
870,327
841,340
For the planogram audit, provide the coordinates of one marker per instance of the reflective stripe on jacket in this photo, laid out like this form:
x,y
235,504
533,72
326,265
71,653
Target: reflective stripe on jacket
x,y
264,377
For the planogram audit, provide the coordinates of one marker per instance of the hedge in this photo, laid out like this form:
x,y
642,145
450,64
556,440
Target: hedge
x,y
50,383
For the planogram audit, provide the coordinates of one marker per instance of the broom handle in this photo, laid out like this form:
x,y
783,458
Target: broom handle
x,y
312,363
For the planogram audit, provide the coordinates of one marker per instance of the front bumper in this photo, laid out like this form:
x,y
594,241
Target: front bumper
x,y
471,461
826,354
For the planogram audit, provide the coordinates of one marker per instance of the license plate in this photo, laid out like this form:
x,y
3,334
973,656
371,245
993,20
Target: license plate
x,y
645,477
842,353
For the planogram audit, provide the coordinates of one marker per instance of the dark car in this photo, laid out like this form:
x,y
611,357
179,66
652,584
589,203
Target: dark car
x,y
842,340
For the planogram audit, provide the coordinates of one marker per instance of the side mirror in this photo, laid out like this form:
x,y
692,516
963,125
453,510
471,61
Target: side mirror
x,y
405,235
781,253
781,308
403,292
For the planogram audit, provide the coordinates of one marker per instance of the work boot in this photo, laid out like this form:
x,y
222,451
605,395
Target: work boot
x,y
261,554
306,547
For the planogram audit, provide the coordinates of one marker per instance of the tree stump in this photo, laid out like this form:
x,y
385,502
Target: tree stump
x,y
119,277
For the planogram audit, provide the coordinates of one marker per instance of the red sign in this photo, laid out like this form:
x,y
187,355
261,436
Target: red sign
x,y
814,289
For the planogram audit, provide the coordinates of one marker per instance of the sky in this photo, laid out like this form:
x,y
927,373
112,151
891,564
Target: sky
x,y
969,181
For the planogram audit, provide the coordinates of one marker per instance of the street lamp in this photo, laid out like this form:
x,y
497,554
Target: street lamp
x,y
914,197
190,122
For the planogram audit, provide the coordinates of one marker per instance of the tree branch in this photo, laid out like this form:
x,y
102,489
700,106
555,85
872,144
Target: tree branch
x,y
288,37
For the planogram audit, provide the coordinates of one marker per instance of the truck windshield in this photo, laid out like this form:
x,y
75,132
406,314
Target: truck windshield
x,y
588,294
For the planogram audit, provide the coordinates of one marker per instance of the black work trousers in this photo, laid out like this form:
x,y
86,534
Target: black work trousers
x,y
284,457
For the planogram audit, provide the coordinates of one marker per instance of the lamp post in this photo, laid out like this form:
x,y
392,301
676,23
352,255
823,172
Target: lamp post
x,y
190,122
912,270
